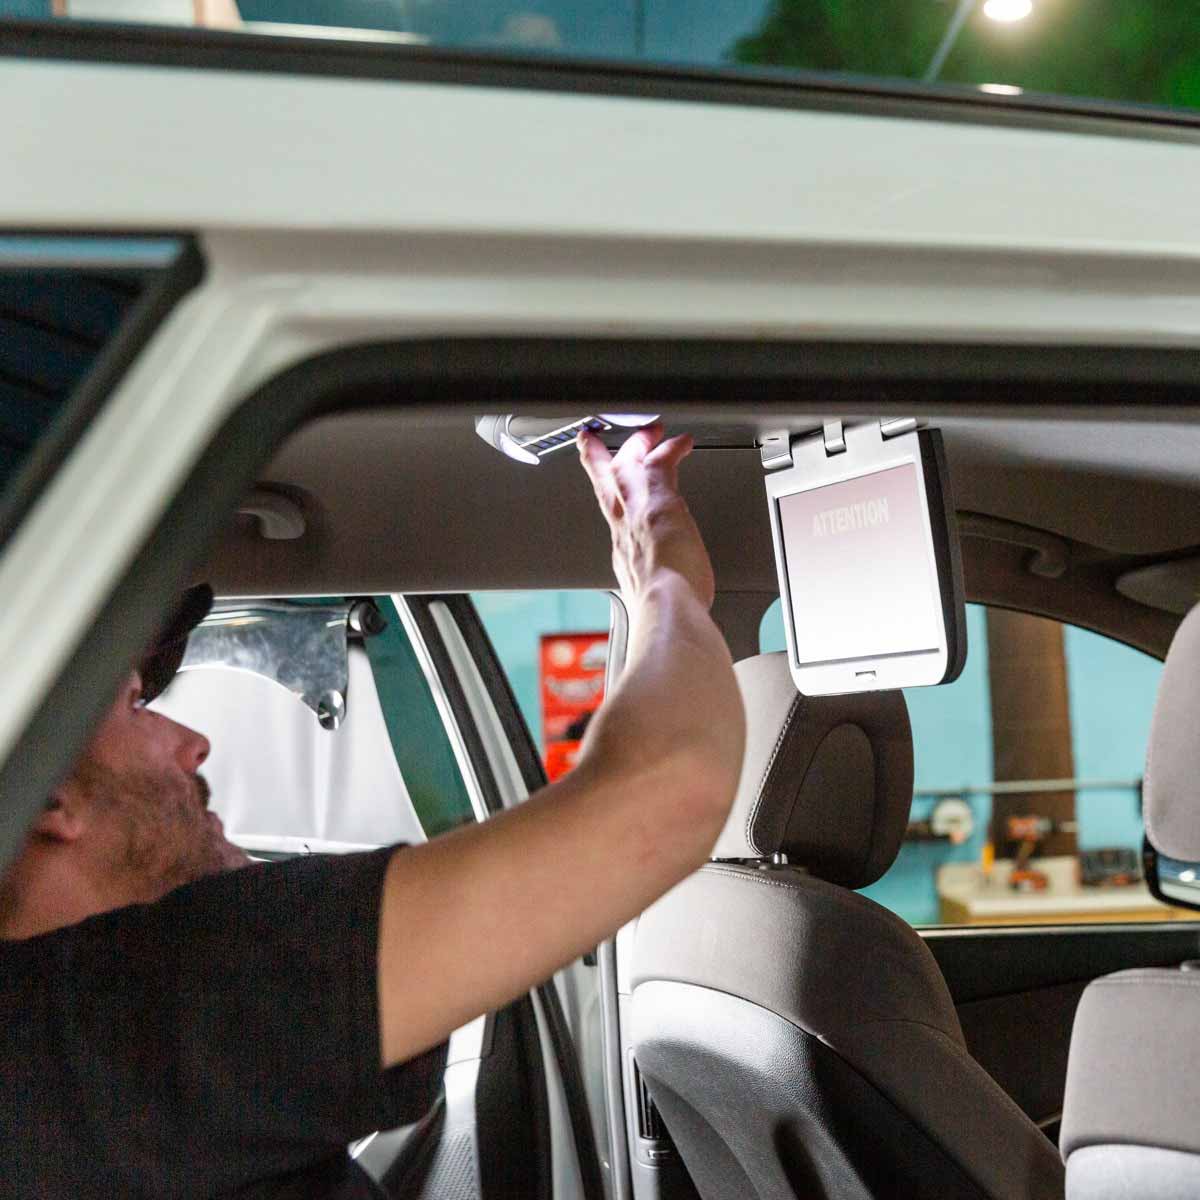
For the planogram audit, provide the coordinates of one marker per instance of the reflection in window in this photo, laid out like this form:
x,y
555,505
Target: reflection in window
x,y
53,326
1143,51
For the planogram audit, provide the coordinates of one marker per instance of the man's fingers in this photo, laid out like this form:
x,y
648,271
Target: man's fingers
x,y
671,452
598,463
594,455
639,444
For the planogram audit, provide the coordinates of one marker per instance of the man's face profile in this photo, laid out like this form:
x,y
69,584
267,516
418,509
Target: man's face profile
x,y
137,796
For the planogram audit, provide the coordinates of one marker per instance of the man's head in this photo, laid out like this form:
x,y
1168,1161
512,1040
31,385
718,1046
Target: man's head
x,y
131,821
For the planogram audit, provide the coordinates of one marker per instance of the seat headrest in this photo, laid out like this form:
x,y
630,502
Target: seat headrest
x,y
826,781
1171,788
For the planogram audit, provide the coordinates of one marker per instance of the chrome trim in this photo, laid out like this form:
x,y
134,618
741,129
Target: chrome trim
x,y
618,641
933,932
1021,787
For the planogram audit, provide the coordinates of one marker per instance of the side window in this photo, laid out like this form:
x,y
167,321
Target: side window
x,y
283,784
553,648
53,325
1027,788
66,333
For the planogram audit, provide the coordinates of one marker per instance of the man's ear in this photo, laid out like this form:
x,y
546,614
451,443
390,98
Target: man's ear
x,y
62,819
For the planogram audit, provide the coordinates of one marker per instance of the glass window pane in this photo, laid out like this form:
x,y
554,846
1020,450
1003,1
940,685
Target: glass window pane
x,y
552,646
283,784
53,326
1144,51
1040,745
74,313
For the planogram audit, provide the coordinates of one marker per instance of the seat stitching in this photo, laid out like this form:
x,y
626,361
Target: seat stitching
x,y
787,724
908,1021
844,894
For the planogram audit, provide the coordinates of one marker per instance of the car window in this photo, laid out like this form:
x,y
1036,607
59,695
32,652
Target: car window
x,y
60,327
553,648
283,784
1027,779
1128,50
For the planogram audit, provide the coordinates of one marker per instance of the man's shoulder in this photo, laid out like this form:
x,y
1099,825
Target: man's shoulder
x,y
224,906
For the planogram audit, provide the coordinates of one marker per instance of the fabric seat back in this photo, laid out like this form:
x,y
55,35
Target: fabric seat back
x,y
1133,1077
799,1038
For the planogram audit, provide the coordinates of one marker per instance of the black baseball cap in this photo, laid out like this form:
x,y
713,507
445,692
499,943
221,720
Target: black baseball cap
x,y
162,660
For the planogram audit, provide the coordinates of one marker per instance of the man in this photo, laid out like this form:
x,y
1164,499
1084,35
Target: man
x,y
170,1027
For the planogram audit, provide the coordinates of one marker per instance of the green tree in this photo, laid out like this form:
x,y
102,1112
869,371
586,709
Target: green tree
x,y
1140,50
861,36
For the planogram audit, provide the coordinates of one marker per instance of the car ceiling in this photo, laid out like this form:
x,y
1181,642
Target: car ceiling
x,y
391,501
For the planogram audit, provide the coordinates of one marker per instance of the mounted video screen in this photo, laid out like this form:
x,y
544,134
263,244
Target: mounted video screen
x,y
868,561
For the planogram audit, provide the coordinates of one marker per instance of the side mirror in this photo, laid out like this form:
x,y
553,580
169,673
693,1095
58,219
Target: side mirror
x,y
1169,880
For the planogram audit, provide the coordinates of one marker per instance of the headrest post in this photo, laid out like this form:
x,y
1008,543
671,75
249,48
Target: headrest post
x,y
826,781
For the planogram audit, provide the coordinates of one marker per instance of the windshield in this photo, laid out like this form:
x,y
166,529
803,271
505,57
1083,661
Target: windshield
x,y
1141,51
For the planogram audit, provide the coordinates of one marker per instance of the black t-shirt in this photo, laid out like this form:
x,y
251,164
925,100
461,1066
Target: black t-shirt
x,y
223,1042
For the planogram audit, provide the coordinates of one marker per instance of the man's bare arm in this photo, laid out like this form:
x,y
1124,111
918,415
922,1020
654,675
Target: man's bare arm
x,y
474,919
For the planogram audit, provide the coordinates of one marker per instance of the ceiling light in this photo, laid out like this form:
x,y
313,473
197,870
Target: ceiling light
x,y
1008,11
514,449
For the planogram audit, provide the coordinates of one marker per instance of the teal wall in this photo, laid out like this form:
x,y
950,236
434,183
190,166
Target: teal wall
x,y
515,621
1111,689
1112,692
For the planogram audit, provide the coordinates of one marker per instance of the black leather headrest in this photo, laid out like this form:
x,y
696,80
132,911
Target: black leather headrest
x,y
826,781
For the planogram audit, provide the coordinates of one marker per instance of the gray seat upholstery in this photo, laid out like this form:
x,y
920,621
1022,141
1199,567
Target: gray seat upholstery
x,y
798,1038
1130,1125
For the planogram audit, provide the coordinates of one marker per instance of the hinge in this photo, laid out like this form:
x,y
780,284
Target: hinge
x,y
834,437
775,449
897,426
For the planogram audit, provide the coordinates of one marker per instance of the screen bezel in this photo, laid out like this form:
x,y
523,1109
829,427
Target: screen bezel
x,y
867,453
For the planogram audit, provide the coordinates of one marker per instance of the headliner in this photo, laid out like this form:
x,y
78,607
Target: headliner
x,y
393,501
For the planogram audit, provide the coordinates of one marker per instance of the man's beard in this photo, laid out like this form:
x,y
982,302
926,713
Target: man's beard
x,y
165,835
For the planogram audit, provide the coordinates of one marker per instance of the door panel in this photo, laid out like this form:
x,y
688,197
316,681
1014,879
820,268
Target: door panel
x,y
1015,991
502,755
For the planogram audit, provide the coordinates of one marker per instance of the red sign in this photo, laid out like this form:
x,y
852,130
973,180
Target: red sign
x,y
572,671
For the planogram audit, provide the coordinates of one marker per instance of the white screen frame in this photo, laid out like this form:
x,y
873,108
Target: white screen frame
x,y
867,453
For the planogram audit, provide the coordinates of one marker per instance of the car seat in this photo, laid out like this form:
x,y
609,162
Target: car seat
x,y
1130,1124
798,1038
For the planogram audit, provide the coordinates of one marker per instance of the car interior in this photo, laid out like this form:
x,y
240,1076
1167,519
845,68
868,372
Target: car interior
x,y
876,1059
785,1023
360,293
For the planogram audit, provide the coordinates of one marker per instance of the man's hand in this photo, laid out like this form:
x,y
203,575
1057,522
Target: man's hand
x,y
474,919
652,529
